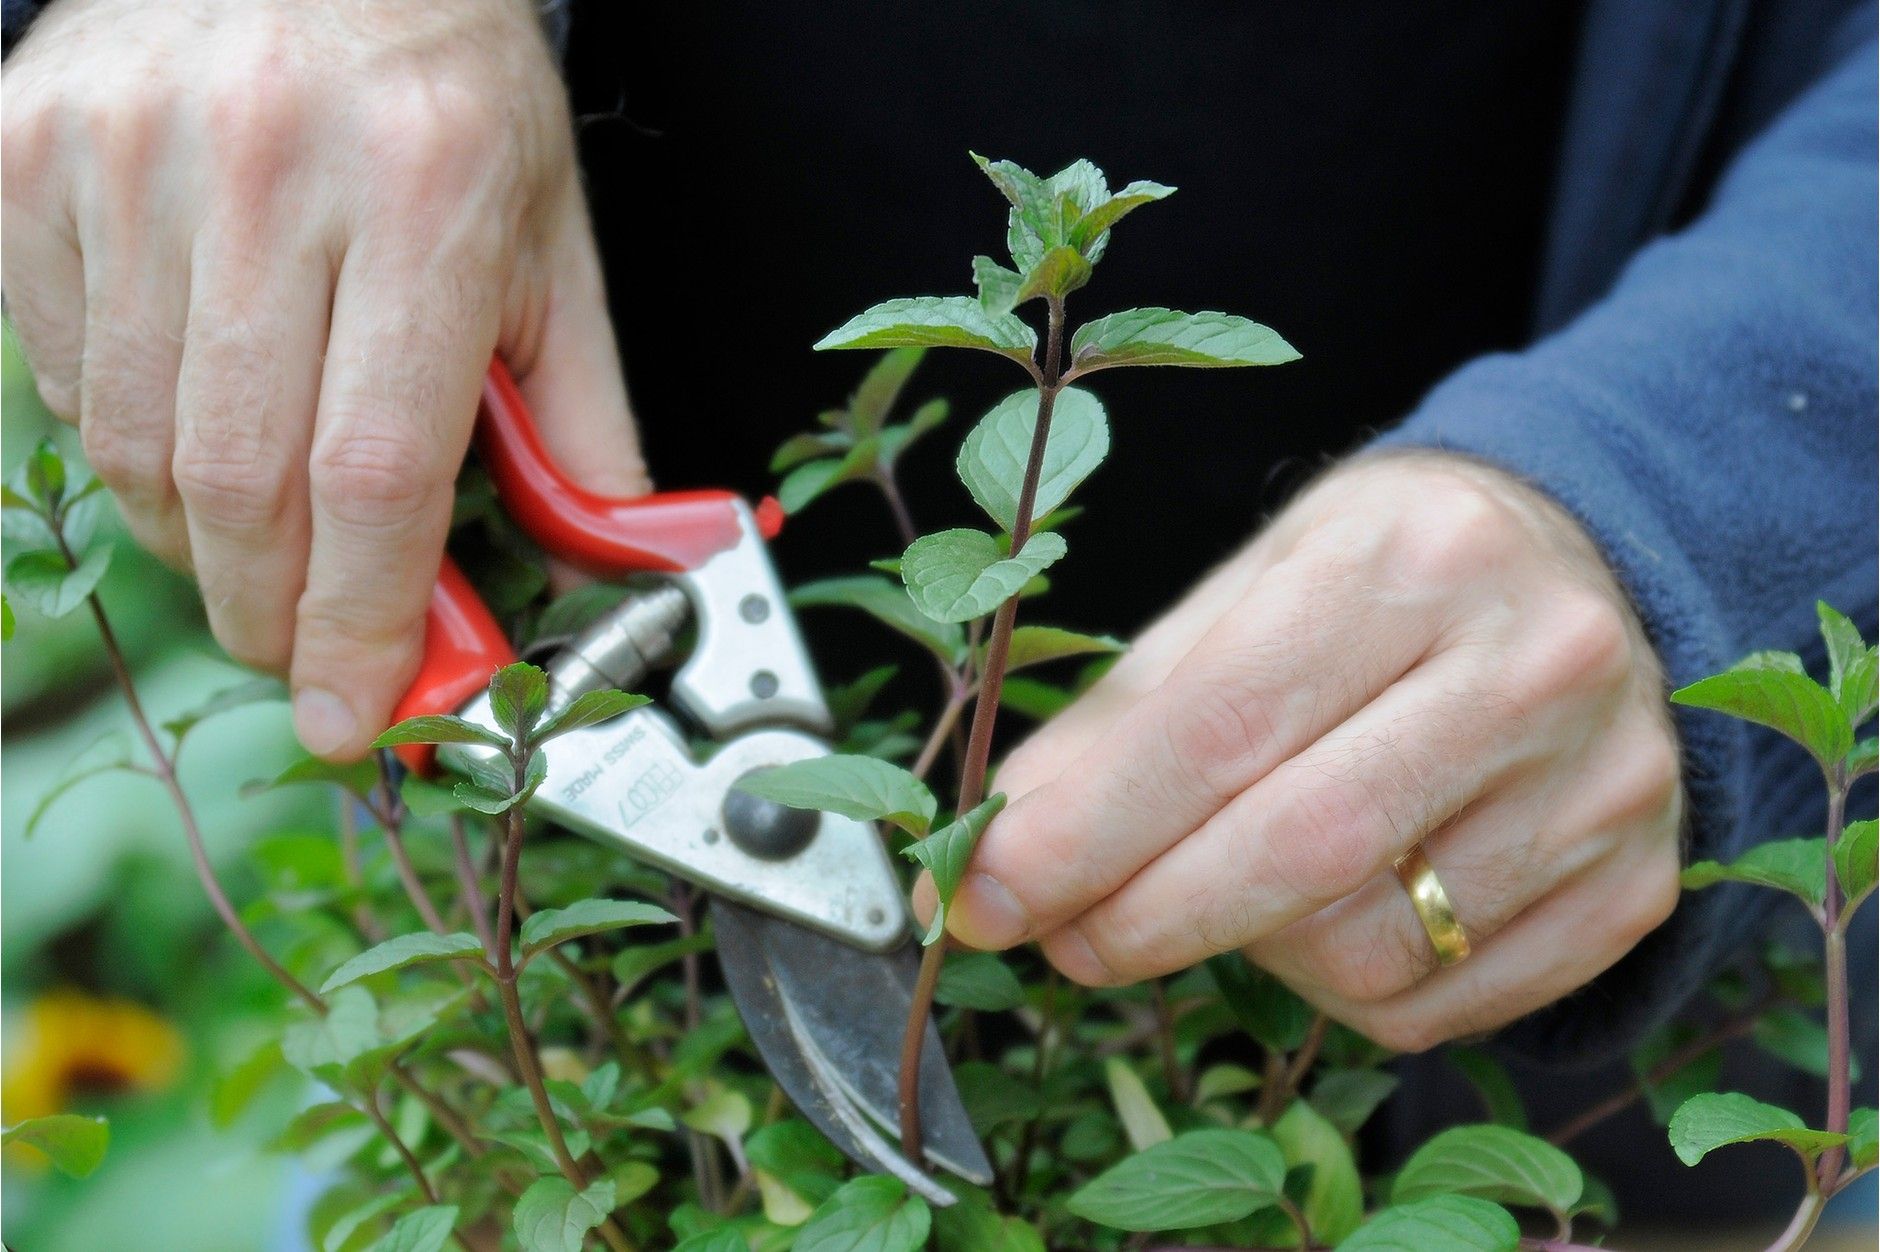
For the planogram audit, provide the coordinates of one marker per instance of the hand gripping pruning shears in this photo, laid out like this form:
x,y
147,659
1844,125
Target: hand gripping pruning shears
x,y
813,931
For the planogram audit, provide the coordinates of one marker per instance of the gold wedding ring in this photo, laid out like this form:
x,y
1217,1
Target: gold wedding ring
x,y
1431,902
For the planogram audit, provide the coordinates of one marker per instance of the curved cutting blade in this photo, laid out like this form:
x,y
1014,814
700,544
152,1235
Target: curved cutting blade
x,y
828,1020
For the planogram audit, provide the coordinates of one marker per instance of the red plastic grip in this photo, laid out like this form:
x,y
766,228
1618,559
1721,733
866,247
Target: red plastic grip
x,y
664,533
463,646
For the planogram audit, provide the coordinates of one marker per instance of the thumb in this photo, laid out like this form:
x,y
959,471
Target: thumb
x,y
572,381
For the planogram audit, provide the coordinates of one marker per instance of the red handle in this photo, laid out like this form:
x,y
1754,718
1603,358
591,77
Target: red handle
x,y
662,533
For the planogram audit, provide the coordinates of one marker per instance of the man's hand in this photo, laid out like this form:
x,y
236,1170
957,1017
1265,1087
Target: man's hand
x,y
1420,648
260,251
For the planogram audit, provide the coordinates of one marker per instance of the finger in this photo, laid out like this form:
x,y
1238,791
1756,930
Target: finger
x,y
1308,833
41,273
572,380
411,340
136,305
248,384
1550,951
1502,855
1265,681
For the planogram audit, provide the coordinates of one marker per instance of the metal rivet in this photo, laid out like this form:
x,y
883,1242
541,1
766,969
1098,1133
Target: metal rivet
x,y
711,836
876,917
753,609
763,684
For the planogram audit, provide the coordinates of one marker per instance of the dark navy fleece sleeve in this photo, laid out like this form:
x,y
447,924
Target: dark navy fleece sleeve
x,y
1712,422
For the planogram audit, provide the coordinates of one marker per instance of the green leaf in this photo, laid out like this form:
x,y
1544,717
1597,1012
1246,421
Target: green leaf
x,y
1664,1095
1168,337
492,792
108,753
723,1239
979,981
1864,757
358,777
1201,1178
1142,1120
1792,704
236,1087
74,1144
868,1214
1862,1148
1035,645
808,481
1491,1163
725,1113
890,605
1796,1038
324,1046
574,611
881,387
421,1230
419,948
53,588
1492,1083
1797,866
587,917
992,1097
958,575
1032,225
850,701
241,695
861,788
1334,1198
1060,271
934,322
796,1153
1223,1081
551,1216
1853,668
7,622
1455,1223
1714,1119
992,460
44,473
438,728
946,853
1263,1005
997,286
1036,700
1096,223
634,963
814,446
589,709
339,1236
518,694
1857,859
974,1225
1347,1097
424,798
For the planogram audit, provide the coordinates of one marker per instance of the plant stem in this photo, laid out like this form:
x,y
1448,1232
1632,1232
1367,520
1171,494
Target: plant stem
x,y
979,741
944,726
1301,1062
1298,1220
1835,955
520,1043
897,504
1172,1076
1807,1213
467,883
390,811
164,769
1733,1027
371,1109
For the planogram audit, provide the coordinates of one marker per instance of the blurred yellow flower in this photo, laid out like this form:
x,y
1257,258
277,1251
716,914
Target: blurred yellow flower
x,y
75,1044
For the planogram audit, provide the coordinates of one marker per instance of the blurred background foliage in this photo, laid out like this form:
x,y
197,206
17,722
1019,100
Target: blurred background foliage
x,y
119,991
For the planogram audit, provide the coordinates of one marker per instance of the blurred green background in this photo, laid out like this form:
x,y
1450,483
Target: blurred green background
x,y
119,994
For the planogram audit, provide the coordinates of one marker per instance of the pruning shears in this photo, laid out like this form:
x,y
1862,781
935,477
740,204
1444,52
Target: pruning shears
x,y
814,935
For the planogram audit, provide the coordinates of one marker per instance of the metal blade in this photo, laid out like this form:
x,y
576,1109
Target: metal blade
x,y
828,1020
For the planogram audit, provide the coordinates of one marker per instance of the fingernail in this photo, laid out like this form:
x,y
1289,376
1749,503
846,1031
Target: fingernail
x,y
323,721
987,914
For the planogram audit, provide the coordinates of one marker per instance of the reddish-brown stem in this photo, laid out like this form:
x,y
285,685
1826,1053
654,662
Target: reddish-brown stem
x,y
522,1046
390,811
943,727
979,741
1835,956
468,885
1172,1076
164,769
1301,1062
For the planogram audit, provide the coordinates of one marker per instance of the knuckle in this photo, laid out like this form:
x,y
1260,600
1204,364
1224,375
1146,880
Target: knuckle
x,y
1453,537
1321,848
1653,896
1647,781
433,137
1219,730
334,629
1403,1032
1588,646
127,464
1358,972
264,646
229,475
377,478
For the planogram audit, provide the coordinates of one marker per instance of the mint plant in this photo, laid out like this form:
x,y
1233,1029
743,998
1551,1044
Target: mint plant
x,y
520,1043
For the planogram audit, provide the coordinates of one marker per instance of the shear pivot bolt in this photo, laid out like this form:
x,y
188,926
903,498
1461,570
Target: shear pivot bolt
x,y
763,684
753,609
766,829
